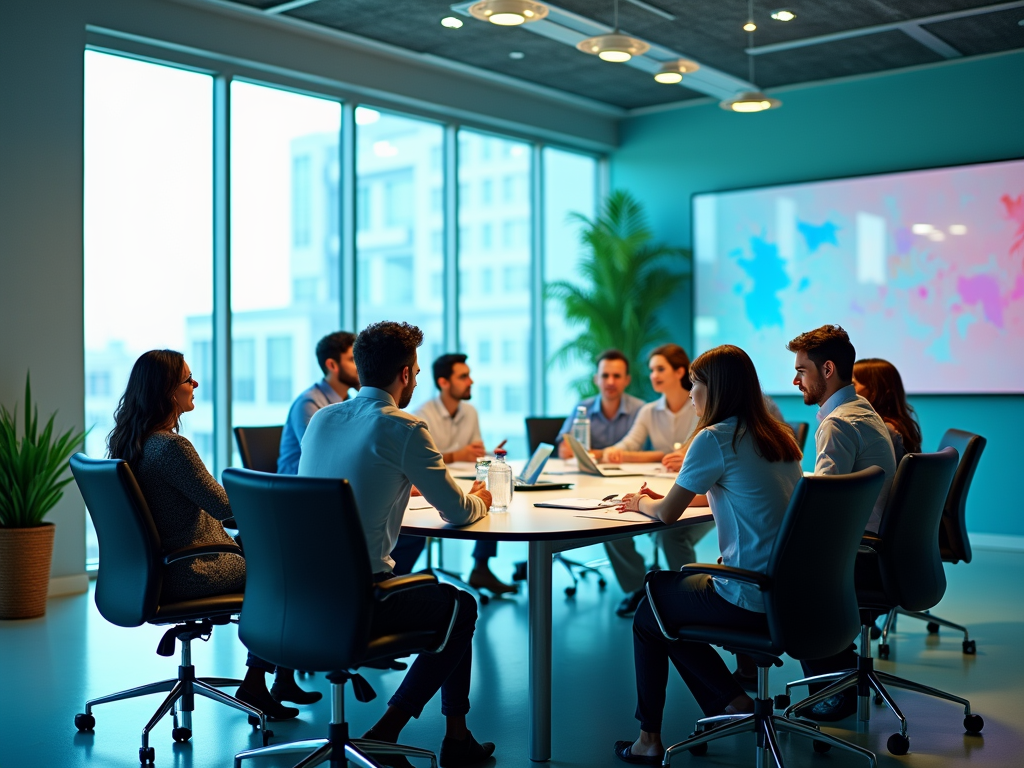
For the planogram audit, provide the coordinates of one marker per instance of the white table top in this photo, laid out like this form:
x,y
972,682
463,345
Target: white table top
x,y
525,522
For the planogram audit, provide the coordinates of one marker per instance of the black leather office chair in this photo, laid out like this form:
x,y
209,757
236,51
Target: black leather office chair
x,y
809,542
259,447
898,567
542,429
954,544
310,597
800,430
128,595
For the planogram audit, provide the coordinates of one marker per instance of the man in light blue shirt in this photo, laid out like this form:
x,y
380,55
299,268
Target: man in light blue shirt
x,y
334,354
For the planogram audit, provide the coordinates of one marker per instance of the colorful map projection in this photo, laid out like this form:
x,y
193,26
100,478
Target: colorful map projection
x,y
924,269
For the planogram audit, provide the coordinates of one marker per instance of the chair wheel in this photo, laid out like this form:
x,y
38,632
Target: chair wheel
x,y
484,599
879,700
821,747
85,722
875,632
254,721
898,744
601,583
782,701
974,723
181,735
583,575
147,755
570,591
883,650
933,628
970,648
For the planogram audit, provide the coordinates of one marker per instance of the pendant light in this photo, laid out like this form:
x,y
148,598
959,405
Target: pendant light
x,y
508,13
614,47
672,72
755,100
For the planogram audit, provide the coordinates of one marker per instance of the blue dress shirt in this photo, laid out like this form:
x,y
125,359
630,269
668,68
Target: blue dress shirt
x,y
309,402
605,432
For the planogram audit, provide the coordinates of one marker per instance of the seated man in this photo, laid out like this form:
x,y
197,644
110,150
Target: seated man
x,y
383,451
455,428
334,354
850,437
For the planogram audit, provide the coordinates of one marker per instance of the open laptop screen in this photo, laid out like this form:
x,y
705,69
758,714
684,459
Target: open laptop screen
x,y
536,464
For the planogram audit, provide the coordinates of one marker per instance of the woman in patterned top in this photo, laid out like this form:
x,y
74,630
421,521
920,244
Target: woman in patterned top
x,y
187,504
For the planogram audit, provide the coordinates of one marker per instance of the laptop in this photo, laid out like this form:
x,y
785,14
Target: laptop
x,y
528,478
588,466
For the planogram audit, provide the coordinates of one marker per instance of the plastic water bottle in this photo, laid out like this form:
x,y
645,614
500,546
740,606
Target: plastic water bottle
x,y
581,427
483,467
499,483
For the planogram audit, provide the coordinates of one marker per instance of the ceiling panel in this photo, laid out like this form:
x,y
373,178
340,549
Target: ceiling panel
x,y
992,32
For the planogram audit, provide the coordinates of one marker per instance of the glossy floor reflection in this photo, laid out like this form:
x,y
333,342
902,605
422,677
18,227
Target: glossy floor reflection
x,y
49,666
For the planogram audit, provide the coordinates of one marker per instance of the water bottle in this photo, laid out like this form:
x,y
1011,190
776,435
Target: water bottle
x,y
581,427
483,467
499,482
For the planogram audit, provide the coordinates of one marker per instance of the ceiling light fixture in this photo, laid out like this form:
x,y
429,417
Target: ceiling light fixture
x,y
750,26
451,22
783,15
508,13
755,100
672,72
614,47
516,55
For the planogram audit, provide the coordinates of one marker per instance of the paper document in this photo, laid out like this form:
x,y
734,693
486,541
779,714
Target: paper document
x,y
613,515
578,503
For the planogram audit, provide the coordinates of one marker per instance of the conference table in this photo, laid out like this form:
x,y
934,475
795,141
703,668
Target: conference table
x,y
549,531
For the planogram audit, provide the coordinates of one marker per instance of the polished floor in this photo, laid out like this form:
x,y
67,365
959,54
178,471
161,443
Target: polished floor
x,y
49,666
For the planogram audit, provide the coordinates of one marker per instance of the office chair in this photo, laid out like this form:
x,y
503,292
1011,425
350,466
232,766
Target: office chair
x,y
310,597
812,562
128,595
898,567
259,447
800,430
954,544
542,429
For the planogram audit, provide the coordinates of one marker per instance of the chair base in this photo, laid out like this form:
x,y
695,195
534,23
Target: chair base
x,y
934,622
866,678
583,569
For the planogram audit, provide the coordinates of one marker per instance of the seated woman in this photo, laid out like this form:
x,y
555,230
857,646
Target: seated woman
x,y
748,464
187,505
880,384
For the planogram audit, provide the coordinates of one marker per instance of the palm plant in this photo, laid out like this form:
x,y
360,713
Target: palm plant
x,y
624,284
31,469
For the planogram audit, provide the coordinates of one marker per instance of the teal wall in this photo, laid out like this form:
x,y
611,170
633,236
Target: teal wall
x,y
962,112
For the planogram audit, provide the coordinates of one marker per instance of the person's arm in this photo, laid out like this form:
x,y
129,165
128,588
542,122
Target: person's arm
x,y
702,468
424,466
628,449
299,416
185,471
836,444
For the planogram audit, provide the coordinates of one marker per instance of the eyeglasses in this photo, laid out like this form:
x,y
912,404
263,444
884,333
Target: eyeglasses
x,y
191,381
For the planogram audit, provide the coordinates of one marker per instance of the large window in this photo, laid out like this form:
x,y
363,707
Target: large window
x,y
285,245
399,266
148,233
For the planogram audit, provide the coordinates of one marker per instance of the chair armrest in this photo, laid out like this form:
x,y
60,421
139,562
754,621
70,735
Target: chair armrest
x,y
385,589
230,522
759,580
186,553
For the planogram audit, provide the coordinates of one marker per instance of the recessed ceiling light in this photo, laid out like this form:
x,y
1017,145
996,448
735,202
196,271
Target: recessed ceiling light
x,y
749,26
508,13
936,236
451,22
750,101
957,229
517,55
783,15
672,72
921,229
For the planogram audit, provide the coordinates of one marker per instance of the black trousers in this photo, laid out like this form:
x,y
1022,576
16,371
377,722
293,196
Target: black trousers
x,y
449,670
684,600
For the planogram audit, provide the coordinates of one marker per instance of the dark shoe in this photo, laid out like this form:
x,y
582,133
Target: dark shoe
x,y
630,603
462,754
263,701
624,751
482,578
832,709
746,682
288,690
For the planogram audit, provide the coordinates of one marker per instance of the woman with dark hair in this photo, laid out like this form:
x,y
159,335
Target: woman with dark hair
x,y
748,464
880,384
187,504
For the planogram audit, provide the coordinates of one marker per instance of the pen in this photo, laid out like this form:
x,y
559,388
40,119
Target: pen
x,y
609,498
502,444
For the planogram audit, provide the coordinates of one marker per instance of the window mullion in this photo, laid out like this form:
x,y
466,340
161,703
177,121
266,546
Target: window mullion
x,y
222,272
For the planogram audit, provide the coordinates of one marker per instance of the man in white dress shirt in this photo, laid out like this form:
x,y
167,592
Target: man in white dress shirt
x,y
383,451
850,437
455,427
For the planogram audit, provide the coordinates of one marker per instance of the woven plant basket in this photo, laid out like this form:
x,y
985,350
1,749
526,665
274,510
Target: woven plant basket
x,y
25,555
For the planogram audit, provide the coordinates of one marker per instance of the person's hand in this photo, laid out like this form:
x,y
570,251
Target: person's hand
x,y
673,461
645,491
630,503
598,455
481,492
415,491
471,452
564,451
613,455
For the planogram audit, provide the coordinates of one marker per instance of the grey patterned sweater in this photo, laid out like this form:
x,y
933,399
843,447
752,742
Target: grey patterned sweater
x,y
187,502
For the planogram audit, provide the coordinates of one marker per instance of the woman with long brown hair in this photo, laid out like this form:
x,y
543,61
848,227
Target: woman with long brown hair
x,y
187,504
880,384
748,464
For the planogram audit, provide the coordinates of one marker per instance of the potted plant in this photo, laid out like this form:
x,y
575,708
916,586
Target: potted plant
x,y
625,282
31,483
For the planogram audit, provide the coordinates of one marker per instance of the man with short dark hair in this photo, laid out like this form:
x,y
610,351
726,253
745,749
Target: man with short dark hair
x,y
455,428
334,354
383,451
850,437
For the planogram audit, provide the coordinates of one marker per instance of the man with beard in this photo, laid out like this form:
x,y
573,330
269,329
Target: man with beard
x,y
383,451
455,428
334,354
850,437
